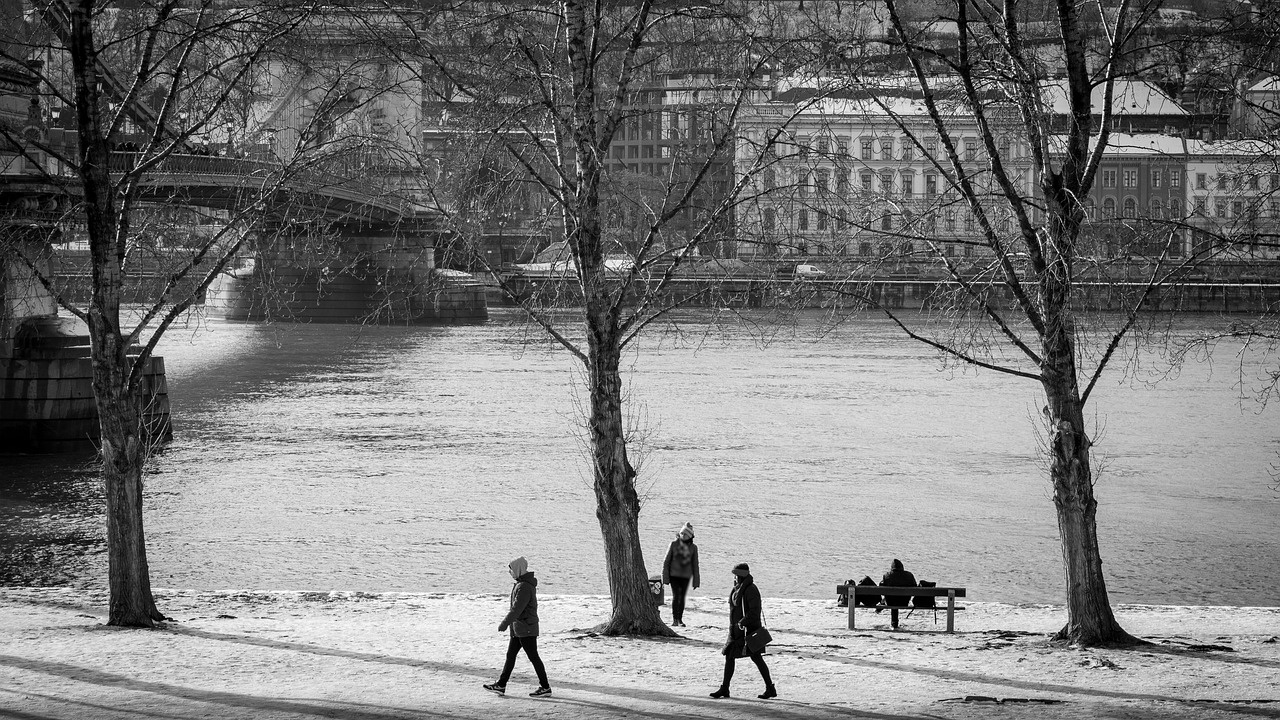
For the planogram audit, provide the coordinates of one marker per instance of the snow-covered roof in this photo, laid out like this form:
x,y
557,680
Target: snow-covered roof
x,y
1130,97
1267,84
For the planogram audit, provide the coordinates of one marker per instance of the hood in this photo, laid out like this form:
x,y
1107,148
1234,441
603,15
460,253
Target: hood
x,y
519,566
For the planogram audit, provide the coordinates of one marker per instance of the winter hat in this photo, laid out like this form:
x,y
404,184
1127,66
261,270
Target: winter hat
x,y
741,570
687,529
519,566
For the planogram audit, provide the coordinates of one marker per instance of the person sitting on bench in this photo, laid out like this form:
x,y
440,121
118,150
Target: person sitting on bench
x,y
897,577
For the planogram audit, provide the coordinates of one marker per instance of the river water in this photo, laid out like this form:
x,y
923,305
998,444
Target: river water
x,y
314,457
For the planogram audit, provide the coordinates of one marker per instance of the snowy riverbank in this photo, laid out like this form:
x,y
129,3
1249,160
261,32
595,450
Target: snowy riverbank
x,y
381,656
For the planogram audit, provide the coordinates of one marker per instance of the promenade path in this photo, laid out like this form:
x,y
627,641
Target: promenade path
x,y
382,656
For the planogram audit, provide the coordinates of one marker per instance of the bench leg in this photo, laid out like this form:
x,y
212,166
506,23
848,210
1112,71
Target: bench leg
x,y
852,603
951,611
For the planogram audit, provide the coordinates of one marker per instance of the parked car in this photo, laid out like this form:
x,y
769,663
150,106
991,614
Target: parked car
x,y
809,271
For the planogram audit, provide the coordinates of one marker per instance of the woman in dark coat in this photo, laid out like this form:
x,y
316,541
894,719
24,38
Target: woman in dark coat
x,y
744,616
679,569
523,621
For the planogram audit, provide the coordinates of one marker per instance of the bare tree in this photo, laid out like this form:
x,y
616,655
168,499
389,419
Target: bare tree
x,y
568,90
967,87
166,89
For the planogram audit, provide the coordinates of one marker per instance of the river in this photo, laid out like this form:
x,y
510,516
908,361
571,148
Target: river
x,y
321,457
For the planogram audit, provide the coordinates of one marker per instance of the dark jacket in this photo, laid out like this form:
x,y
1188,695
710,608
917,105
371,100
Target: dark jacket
x,y
744,615
678,564
523,617
898,578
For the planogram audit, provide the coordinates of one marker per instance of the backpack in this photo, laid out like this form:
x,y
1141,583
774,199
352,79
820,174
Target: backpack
x,y
925,601
868,600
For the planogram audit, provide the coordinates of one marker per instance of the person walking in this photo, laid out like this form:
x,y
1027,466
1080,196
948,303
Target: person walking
x,y
523,621
679,569
744,616
897,576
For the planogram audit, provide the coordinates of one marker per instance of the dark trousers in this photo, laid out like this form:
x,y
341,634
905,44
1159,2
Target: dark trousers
x,y
530,645
679,590
756,658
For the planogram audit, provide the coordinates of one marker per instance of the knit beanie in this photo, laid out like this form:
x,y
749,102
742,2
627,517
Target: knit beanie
x,y
741,570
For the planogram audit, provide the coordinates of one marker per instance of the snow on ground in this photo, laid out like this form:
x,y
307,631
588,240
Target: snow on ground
x,y
289,655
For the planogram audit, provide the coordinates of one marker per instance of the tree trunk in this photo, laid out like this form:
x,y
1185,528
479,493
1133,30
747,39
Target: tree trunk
x,y
617,504
118,402
123,454
1090,620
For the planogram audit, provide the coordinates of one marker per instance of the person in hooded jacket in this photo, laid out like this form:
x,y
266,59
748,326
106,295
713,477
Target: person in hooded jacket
x,y
679,569
745,615
897,576
523,621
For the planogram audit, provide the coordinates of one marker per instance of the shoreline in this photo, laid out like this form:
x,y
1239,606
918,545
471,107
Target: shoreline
x,y
375,656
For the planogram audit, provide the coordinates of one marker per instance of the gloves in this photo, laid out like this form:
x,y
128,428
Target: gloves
x,y
502,627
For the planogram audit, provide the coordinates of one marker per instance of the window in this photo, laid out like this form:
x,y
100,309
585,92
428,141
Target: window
x,y
842,182
866,181
1200,206
886,182
770,179
770,220
805,186
1273,209
908,150
1202,182
1108,208
842,219
1220,208
886,222
1130,208
930,185
824,146
1237,209
843,148
931,223
1006,147
886,149
1275,182
1175,178
1131,178
1155,178
1175,209
866,149
1222,182
1157,208
968,221
950,219
908,185
822,219
1108,178
802,147
931,147
803,222
970,149
1253,182
824,181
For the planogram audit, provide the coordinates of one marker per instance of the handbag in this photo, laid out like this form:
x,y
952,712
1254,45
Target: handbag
x,y
758,638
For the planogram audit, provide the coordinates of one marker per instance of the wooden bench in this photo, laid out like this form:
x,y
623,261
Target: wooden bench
x,y
950,593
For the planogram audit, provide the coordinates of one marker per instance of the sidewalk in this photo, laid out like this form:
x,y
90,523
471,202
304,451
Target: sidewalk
x,y
279,656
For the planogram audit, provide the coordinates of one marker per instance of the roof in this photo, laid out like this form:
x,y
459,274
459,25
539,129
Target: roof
x,y
1267,84
1131,97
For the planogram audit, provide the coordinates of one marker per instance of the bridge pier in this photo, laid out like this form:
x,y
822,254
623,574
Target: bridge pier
x,y
305,272
46,376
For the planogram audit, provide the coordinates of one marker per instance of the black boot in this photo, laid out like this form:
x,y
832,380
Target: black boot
x,y
769,692
723,692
